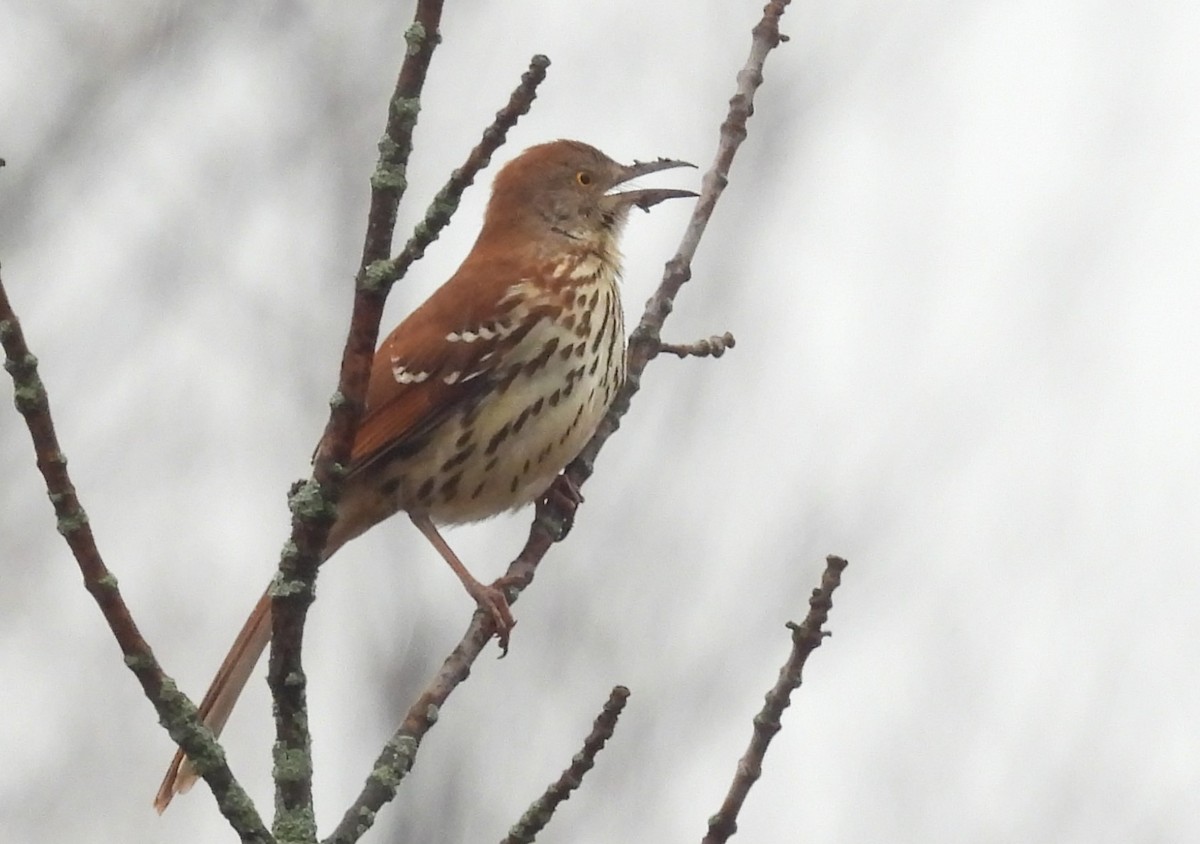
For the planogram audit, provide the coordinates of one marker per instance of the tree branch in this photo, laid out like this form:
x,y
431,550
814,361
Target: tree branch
x,y
313,502
538,815
806,638
175,711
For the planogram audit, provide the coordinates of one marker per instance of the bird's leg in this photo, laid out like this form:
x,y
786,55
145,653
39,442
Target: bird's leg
x,y
489,598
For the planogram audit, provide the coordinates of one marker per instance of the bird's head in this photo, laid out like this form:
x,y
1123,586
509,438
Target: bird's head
x,y
565,191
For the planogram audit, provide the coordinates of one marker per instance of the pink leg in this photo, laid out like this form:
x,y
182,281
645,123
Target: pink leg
x,y
489,598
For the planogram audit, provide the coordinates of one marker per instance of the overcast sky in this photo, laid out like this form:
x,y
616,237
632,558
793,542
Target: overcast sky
x,y
958,251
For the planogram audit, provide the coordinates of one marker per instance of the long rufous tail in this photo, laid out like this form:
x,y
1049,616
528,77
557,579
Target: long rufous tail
x,y
222,694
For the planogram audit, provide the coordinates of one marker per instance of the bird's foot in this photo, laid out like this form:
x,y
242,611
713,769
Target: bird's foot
x,y
494,603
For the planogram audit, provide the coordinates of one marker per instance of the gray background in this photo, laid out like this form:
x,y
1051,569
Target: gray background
x,y
958,252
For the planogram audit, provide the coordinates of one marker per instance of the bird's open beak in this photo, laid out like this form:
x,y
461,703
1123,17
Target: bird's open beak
x,y
648,197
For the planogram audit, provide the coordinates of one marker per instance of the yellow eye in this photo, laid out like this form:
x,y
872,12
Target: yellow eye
x,y
583,177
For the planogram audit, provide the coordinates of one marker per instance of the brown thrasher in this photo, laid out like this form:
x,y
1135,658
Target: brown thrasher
x,y
485,392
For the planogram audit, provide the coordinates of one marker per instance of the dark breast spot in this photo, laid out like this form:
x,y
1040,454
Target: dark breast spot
x,y
543,356
606,327
450,487
470,414
388,488
497,439
426,490
571,428
459,459
521,419
614,337
507,381
572,379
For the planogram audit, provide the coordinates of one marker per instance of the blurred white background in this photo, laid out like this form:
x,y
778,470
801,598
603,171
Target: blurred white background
x,y
959,254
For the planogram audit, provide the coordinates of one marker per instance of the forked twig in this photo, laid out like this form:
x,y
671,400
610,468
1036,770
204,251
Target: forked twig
x,y
446,202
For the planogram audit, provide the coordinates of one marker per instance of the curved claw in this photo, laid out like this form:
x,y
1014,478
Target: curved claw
x,y
492,600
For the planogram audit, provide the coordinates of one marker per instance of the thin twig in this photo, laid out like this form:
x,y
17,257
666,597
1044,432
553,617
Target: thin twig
x,y
313,502
175,711
539,813
396,759
711,347
446,201
806,638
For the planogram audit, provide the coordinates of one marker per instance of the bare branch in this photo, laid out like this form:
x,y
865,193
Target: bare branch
x,y
712,347
806,638
313,503
175,711
538,815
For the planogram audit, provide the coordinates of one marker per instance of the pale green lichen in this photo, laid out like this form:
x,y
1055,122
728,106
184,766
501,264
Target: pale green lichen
x,y
415,37
308,501
378,275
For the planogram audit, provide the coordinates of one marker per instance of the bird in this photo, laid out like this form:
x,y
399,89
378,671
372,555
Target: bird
x,y
482,395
